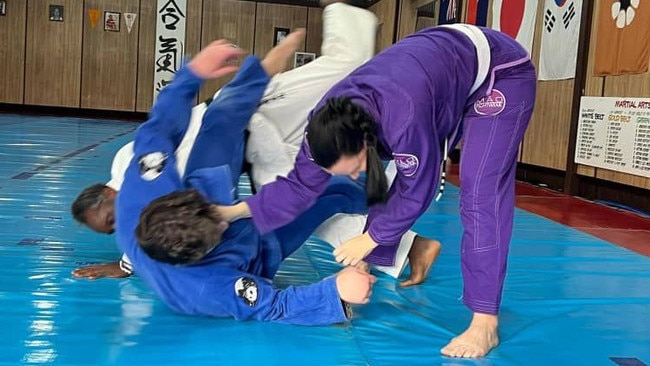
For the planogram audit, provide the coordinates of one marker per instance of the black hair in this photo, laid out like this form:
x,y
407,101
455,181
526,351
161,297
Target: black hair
x,y
179,228
90,197
342,128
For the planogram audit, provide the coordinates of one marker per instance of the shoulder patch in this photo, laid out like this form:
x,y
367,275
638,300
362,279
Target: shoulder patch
x,y
152,165
407,164
246,289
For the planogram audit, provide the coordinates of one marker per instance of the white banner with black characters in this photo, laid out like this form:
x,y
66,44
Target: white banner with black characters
x,y
170,42
614,134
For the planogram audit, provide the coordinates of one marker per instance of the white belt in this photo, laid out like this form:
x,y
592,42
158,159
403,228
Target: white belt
x,y
483,60
482,51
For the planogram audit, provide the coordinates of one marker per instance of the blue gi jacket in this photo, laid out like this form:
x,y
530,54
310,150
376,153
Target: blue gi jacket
x,y
234,279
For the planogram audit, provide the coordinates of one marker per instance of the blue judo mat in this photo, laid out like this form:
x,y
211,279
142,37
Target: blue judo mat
x,y
570,299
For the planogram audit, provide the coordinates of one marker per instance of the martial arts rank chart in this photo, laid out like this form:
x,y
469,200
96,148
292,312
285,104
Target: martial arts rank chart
x,y
614,134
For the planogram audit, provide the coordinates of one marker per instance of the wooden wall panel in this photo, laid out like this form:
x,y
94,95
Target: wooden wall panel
x,y
547,139
109,59
585,170
385,12
12,52
593,84
407,17
629,179
271,16
146,54
228,19
53,55
193,27
314,37
425,22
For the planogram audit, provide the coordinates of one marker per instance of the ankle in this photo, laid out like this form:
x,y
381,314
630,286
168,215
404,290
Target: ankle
x,y
485,320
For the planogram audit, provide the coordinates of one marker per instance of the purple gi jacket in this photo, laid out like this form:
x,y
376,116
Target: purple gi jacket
x,y
417,92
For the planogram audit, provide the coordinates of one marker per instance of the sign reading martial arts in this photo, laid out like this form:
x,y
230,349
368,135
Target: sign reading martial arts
x,y
614,134
170,42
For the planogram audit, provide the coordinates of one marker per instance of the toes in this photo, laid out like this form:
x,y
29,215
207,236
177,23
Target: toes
x,y
406,283
461,351
414,279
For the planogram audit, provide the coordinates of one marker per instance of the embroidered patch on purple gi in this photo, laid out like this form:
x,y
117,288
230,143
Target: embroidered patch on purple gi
x,y
491,105
406,163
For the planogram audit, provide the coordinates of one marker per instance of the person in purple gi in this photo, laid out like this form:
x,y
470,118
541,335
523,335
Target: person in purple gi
x,y
412,103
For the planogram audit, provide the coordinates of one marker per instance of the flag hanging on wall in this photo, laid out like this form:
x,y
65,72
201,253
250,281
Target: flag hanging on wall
x,y
517,19
477,12
560,33
447,12
623,37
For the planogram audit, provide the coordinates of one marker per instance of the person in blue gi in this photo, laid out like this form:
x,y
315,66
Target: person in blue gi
x,y
274,138
412,103
222,270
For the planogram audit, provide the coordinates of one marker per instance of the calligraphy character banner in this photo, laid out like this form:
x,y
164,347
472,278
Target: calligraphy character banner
x,y
170,42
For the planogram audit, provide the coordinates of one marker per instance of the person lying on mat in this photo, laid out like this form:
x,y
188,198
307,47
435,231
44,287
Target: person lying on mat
x,y
411,103
194,261
275,135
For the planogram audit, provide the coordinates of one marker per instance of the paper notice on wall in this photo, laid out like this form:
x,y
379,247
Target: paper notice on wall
x,y
614,134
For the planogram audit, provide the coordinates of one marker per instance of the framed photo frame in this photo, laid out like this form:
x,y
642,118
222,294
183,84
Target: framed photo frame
x,y
303,58
112,21
279,34
56,13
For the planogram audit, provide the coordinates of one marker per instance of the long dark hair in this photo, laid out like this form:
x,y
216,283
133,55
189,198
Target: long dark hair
x,y
342,128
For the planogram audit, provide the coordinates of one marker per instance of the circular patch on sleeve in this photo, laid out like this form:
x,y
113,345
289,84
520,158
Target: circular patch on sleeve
x,y
152,165
246,289
407,164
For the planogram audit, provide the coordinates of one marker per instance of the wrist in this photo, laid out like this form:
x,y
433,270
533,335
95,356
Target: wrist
x,y
242,211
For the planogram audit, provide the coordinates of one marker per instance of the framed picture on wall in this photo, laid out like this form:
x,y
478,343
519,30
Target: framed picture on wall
x,y
303,58
279,34
3,8
112,21
56,13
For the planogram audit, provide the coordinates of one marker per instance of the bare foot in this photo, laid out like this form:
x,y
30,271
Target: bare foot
x,y
421,257
277,59
110,270
477,340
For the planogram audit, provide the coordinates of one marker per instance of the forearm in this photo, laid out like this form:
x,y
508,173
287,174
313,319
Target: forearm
x,y
170,115
235,212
